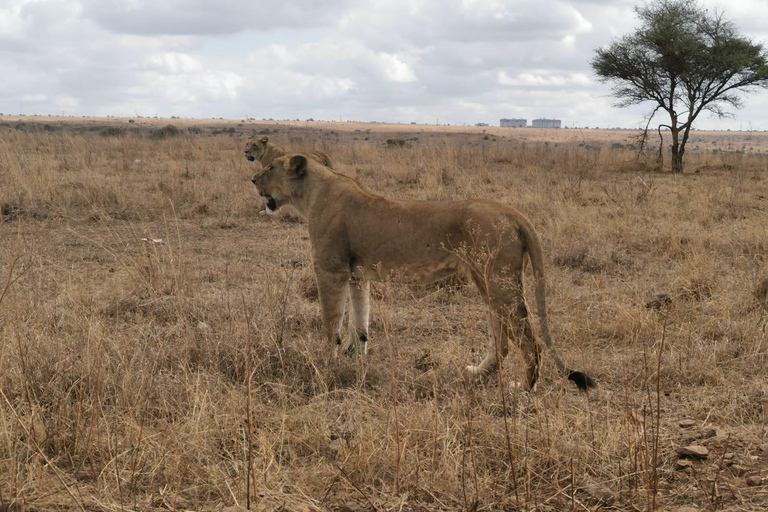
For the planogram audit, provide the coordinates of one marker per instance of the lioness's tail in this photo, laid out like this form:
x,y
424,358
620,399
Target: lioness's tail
x,y
533,246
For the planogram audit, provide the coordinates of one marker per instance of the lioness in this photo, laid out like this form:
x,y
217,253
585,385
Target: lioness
x,y
358,236
259,148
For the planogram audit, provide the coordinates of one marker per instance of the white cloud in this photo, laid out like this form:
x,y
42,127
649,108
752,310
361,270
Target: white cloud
x,y
34,97
174,63
395,70
66,103
401,60
543,78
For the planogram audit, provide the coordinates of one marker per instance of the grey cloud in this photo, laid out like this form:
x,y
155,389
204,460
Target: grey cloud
x,y
437,21
400,60
201,17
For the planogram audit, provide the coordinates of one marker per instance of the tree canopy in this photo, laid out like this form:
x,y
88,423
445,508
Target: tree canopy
x,y
686,60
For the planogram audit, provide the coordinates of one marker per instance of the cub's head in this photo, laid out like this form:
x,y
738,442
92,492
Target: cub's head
x,y
282,181
255,148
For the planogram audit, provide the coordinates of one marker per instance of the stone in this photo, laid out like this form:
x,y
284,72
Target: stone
x,y
693,451
754,481
687,423
336,445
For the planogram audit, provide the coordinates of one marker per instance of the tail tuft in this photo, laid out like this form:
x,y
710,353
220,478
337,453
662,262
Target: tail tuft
x,y
582,380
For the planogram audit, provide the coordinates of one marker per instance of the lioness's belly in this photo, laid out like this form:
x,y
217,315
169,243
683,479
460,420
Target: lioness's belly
x,y
422,242
405,273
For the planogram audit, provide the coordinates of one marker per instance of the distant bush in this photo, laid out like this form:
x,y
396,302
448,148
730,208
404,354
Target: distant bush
x,y
166,132
112,132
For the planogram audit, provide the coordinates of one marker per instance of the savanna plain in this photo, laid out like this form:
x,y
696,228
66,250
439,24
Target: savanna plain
x,y
160,337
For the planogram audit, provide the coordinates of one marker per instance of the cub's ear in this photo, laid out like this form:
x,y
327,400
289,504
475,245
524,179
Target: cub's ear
x,y
297,166
263,141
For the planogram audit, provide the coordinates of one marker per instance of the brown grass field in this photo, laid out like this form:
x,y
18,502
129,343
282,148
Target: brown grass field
x,y
186,373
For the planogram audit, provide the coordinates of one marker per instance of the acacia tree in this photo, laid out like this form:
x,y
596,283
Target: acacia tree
x,y
686,60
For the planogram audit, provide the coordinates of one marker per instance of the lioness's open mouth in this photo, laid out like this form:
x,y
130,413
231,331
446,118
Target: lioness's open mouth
x,y
271,202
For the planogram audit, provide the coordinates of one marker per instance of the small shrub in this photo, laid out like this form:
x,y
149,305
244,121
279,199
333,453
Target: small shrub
x,y
10,212
397,143
112,132
166,131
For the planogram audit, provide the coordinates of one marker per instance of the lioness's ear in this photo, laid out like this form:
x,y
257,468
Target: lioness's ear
x,y
297,166
263,141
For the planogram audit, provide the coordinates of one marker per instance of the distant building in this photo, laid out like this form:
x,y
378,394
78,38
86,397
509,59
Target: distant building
x,y
546,123
481,124
513,123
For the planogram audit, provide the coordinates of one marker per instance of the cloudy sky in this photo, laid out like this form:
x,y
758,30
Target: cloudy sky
x,y
456,61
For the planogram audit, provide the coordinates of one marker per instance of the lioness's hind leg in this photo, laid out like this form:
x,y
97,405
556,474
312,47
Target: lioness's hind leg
x,y
503,325
498,335
333,290
531,349
359,311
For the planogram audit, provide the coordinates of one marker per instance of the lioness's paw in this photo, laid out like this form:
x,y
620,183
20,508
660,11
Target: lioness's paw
x,y
473,370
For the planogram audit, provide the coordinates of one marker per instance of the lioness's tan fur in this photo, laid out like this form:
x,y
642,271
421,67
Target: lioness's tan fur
x,y
358,236
259,148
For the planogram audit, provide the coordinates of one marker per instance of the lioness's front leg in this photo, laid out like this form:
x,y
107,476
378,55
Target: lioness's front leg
x,y
359,310
333,289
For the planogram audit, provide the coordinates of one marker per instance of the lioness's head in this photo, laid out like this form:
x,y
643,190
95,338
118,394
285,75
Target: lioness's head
x,y
281,181
255,148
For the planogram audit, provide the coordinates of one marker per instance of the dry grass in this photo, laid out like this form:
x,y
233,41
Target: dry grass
x,y
187,374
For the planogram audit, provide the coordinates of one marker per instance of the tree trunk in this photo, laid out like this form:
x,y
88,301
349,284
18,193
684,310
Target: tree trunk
x,y
677,161
677,154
